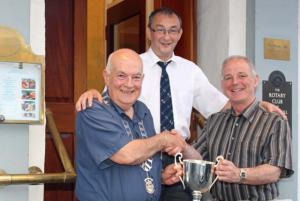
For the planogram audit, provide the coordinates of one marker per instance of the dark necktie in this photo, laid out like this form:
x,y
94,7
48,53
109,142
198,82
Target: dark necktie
x,y
166,109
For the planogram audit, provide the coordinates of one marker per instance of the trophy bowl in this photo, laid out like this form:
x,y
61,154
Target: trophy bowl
x,y
198,175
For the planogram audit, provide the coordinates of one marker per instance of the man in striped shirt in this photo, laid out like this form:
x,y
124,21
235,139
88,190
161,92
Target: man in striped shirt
x,y
255,144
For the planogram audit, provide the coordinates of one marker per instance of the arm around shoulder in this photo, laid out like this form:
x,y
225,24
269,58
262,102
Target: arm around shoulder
x,y
85,100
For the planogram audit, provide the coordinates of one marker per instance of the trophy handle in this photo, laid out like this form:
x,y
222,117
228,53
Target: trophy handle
x,y
219,158
179,155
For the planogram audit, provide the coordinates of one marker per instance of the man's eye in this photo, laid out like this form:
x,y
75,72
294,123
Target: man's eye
x,y
160,30
227,78
121,76
137,77
173,31
243,75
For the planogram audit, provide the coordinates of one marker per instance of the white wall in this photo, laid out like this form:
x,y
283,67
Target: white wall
x,y
22,146
298,102
221,28
14,138
37,132
237,27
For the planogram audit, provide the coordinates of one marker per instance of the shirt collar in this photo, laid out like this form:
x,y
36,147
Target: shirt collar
x,y
248,113
139,111
155,58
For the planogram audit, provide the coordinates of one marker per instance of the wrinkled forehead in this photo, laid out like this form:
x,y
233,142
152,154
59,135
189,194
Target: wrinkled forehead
x,y
128,65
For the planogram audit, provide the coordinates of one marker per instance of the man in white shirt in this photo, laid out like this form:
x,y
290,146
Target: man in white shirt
x,y
189,85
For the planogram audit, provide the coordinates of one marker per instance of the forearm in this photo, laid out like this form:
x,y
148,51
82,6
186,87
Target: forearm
x,y
137,151
273,108
262,174
191,153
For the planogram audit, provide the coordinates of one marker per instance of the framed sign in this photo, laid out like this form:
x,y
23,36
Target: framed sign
x,y
21,92
22,78
278,91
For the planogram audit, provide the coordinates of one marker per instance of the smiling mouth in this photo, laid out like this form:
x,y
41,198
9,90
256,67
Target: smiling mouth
x,y
128,91
166,44
236,90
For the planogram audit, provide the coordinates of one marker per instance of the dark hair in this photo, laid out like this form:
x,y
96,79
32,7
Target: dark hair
x,y
163,11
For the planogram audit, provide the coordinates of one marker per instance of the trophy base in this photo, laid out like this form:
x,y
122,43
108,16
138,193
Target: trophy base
x,y
197,195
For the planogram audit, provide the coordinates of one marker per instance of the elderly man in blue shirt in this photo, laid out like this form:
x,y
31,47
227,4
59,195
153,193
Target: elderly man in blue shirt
x,y
118,151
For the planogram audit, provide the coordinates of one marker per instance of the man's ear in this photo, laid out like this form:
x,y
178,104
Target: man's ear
x,y
148,32
106,76
256,80
180,33
143,77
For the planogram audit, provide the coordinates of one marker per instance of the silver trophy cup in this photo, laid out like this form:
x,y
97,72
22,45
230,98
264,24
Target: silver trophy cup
x,y
197,175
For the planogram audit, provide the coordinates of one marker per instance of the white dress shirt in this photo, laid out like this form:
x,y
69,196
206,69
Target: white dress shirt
x,y
189,87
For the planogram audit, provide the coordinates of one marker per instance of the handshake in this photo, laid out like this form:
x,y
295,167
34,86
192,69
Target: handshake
x,y
172,142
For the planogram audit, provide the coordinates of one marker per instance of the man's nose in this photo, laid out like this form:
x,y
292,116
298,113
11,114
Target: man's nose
x,y
235,79
166,35
129,81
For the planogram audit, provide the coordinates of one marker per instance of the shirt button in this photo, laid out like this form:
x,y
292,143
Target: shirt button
x,y
229,153
236,124
232,138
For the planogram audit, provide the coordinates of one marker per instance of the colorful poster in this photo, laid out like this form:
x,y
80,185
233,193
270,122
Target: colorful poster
x,y
20,92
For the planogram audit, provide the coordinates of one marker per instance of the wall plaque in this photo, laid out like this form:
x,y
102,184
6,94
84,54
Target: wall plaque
x,y
21,92
277,49
279,92
22,78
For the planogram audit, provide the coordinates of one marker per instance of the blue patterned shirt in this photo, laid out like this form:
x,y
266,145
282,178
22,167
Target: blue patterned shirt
x,y
100,134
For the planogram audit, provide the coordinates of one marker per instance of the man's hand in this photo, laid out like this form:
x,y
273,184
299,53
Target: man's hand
x,y
86,99
171,174
174,142
258,175
273,108
227,171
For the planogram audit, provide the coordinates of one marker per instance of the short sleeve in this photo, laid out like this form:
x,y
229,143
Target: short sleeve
x,y
207,98
280,148
101,132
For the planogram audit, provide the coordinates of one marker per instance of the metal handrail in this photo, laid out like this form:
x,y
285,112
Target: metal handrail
x,y
35,175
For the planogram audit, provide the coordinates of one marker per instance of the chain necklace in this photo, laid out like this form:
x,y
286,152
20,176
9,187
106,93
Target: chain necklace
x,y
146,165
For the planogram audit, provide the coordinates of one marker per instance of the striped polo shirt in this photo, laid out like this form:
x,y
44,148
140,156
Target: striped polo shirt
x,y
253,138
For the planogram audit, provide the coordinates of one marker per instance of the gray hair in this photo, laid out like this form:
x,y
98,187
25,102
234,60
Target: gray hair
x,y
108,64
239,57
